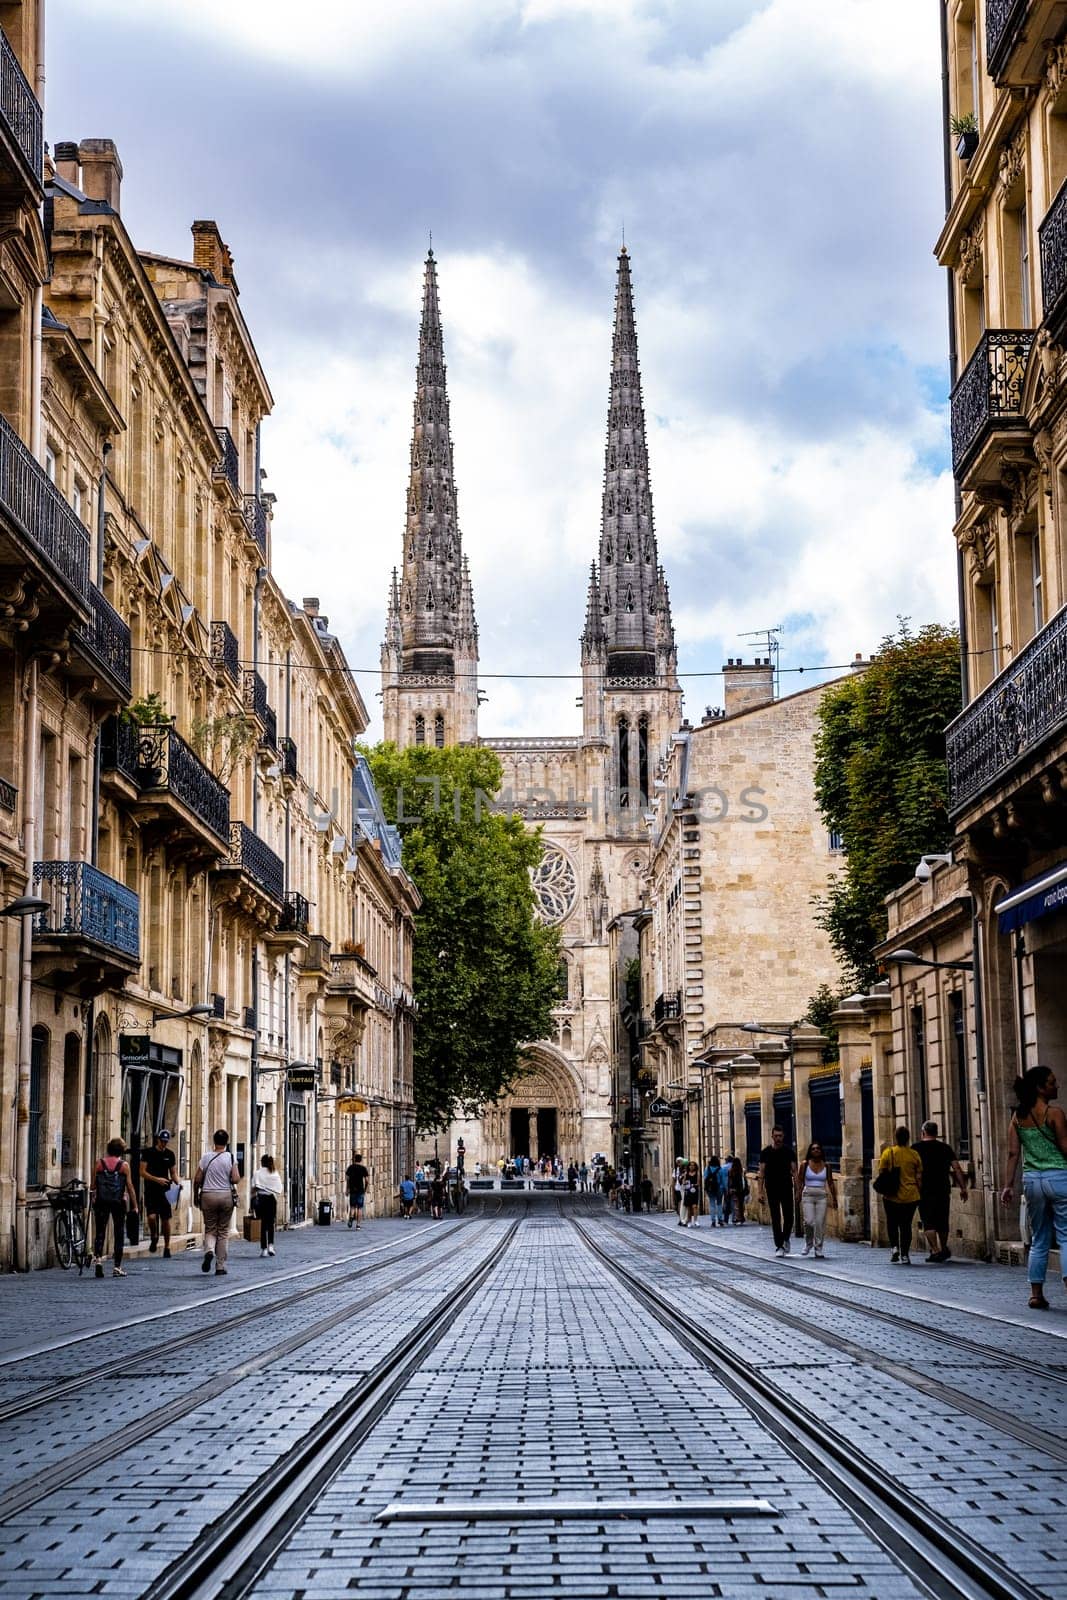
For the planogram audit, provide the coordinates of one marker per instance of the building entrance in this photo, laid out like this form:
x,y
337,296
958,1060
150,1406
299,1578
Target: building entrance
x,y
519,1144
547,1138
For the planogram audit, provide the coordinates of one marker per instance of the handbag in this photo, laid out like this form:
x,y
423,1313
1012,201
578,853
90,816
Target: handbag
x,y
173,1193
887,1183
133,1227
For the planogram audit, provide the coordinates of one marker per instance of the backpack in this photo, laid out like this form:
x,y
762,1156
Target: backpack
x,y
110,1185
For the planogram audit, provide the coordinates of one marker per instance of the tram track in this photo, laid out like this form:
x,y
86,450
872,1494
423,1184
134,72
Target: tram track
x,y
184,1341
30,1491
933,1388
941,1558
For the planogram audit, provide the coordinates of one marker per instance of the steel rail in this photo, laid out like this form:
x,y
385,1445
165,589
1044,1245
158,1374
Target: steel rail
x,y
807,1286
194,1336
29,1491
1035,1438
946,1562
232,1552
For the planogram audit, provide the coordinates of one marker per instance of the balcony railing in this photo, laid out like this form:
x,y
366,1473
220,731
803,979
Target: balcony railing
x,y
1025,704
257,860
288,754
1052,235
224,650
1003,20
87,904
9,795
989,392
43,517
668,1008
106,637
255,693
21,109
165,761
230,465
256,520
119,738
295,913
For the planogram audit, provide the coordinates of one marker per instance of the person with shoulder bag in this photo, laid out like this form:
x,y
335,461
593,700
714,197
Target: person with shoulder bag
x,y
112,1189
1037,1136
215,1192
899,1182
266,1192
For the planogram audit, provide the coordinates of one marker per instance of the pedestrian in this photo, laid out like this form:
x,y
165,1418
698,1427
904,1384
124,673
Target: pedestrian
x,y
724,1187
407,1196
940,1170
357,1178
711,1191
583,1178
420,1173
266,1192
437,1194
215,1192
679,1198
572,1178
902,1199
737,1187
157,1176
777,1186
112,1191
1038,1133
691,1193
815,1190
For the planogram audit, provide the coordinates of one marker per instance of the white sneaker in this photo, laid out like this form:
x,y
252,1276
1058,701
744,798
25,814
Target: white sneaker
x,y
806,1250
779,1250
270,1249
818,1254
785,1248
263,1251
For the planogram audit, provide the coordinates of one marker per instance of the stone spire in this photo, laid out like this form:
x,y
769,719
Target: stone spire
x,y
629,563
466,626
593,634
433,556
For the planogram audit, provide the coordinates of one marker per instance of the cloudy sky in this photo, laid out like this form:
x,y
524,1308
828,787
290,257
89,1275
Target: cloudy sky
x,y
776,165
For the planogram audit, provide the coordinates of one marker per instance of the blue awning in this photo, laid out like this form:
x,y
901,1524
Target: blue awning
x,y
1034,899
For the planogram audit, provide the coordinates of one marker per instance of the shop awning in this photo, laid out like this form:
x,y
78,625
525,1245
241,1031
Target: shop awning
x,y
1034,899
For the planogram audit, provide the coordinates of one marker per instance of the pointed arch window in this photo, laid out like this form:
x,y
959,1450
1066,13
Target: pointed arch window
x,y
627,501
431,604
627,457
642,758
628,549
407,598
420,729
609,553
648,550
630,602
429,548
439,730
609,505
429,502
607,603
623,742
613,459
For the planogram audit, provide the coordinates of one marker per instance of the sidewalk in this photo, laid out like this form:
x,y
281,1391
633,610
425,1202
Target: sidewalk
x,y
978,1287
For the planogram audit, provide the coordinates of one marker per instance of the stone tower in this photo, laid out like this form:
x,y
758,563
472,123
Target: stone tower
x,y
430,650
631,698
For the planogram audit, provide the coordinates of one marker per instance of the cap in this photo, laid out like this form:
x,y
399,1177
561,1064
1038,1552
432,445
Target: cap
x,y
164,1133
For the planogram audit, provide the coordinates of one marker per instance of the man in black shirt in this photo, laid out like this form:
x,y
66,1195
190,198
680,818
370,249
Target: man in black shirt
x,y
157,1175
940,1168
356,1176
777,1186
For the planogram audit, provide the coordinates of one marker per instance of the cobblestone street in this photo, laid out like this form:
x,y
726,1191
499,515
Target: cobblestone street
x,y
409,1397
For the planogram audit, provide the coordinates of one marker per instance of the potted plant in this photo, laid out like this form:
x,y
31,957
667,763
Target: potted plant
x,y
965,131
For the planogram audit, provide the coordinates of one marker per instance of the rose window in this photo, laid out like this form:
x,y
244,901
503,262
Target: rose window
x,y
555,885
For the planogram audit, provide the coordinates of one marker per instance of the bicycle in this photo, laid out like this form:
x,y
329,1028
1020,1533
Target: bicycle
x,y
69,1228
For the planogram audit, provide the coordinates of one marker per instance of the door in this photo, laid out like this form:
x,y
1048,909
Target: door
x,y
296,1161
520,1131
546,1131
867,1137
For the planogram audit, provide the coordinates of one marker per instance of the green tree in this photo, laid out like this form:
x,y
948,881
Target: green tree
x,y
486,972
881,781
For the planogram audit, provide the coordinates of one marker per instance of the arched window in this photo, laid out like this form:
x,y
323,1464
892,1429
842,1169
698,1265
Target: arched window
x,y
642,758
420,729
624,760
38,1095
439,730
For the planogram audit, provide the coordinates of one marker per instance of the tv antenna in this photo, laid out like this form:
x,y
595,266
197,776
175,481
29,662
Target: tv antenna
x,y
768,642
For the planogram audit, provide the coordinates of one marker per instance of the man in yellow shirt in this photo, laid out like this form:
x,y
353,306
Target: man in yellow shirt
x,y
902,1202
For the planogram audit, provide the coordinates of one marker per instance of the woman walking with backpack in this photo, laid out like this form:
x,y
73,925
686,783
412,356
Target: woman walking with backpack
x,y
215,1192
112,1187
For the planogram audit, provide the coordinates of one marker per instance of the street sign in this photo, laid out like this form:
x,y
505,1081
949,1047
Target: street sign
x,y
659,1107
301,1075
350,1105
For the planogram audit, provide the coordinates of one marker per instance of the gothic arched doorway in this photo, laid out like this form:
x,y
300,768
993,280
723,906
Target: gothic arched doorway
x,y
542,1114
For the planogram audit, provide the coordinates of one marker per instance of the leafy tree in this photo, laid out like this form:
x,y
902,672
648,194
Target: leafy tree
x,y
881,781
223,742
821,1007
486,972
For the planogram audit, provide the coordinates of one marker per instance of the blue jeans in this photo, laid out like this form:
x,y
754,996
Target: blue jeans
x,y
714,1205
1046,1209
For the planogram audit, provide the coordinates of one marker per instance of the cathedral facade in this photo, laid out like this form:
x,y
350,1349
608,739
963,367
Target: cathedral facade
x,y
589,792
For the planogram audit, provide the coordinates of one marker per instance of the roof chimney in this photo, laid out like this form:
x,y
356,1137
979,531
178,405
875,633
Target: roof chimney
x,y
746,687
212,254
311,605
65,156
101,171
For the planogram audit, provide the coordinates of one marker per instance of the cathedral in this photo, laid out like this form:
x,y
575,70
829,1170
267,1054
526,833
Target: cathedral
x,y
587,791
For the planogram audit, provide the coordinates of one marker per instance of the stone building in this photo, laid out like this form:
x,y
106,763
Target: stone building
x,y
226,930
1000,901
591,792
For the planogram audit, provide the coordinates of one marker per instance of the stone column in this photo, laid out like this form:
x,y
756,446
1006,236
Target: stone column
x,y
808,1047
532,1114
878,1009
854,1052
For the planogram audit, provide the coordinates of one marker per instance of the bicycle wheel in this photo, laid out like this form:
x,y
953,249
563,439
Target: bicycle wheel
x,y
79,1239
64,1240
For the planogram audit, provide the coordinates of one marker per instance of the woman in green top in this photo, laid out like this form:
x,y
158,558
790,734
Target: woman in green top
x,y
1038,1133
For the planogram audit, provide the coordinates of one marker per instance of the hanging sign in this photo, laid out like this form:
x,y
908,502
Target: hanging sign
x,y
659,1107
301,1075
350,1105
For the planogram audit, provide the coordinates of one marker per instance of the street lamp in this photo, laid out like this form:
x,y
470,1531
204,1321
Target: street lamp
x,y
26,907
909,958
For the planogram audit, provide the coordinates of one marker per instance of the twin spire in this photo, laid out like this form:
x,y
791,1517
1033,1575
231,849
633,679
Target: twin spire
x,y
431,602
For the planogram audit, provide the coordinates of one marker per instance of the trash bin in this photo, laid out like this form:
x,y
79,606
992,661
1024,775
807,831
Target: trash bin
x,y
325,1216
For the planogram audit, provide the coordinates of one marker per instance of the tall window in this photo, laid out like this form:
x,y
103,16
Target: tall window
x,y
439,730
1025,300
1038,580
962,1076
420,729
918,1059
38,1076
624,761
642,758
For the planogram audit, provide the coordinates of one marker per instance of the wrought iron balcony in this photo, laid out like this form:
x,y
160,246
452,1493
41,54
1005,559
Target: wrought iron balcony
x,y
1024,706
230,465
668,1008
288,754
9,796
105,642
256,860
166,763
255,693
85,903
20,113
988,395
224,650
37,516
295,913
1003,20
1053,239
118,747
256,520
